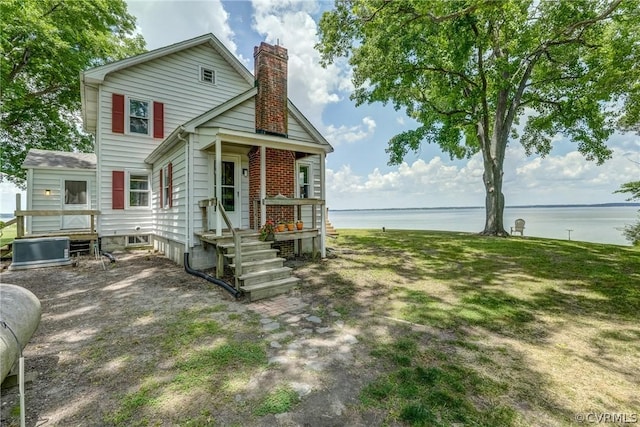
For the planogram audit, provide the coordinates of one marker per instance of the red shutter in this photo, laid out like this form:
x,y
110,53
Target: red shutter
x,y
158,120
170,178
117,113
117,190
161,188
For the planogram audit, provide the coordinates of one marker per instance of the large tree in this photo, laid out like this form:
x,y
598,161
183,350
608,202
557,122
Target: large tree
x,y
45,46
468,70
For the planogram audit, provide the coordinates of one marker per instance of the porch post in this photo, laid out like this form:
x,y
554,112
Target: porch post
x,y
323,208
263,184
218,187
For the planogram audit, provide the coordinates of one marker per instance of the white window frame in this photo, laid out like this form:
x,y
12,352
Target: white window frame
x,y
128,115
299,184
129,191
138,236
201,71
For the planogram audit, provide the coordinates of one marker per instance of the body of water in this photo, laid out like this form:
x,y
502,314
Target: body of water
x,y
596,224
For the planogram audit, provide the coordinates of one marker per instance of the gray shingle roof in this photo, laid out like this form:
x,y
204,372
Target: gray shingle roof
x,y
58,159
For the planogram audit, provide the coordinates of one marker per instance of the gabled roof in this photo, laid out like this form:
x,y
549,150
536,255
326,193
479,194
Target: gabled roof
x,y
92,78
98,74
42,159
190,127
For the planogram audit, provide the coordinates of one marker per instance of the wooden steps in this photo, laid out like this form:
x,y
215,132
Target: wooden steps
x,y
263,272
331,232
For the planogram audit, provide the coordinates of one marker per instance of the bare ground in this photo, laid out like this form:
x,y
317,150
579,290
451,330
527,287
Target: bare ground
x,y
107,336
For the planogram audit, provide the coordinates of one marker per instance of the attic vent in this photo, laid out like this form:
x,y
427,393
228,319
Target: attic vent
x,y
207,75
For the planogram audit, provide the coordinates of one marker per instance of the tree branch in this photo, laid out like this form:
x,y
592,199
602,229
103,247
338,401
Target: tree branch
x,y
484,126
19,66
538,99
441,70
53,9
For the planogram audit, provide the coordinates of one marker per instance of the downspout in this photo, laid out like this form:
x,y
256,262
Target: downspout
x,y
323,210
187,195
218,186
263,184
98,177
224,285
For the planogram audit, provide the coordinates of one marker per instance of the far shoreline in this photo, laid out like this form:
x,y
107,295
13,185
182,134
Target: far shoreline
x,y
579,205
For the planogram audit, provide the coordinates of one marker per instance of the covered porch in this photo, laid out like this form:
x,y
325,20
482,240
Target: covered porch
x,y
274,187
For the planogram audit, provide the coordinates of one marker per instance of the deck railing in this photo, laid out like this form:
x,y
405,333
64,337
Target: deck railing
x,y
20,216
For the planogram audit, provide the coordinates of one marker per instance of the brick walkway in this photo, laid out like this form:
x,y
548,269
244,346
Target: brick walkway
x,y
277,305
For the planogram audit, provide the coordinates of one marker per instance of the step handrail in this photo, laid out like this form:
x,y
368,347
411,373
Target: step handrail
x,y
237,241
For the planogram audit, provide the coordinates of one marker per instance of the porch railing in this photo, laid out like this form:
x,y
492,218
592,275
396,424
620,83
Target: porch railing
x,y
237,242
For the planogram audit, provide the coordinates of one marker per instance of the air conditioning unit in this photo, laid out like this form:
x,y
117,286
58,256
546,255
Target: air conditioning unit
x,y
40,252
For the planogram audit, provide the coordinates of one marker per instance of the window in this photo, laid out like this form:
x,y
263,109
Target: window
x,y
207,75
141,240
138,190
166,186
75,192
138,116
304,181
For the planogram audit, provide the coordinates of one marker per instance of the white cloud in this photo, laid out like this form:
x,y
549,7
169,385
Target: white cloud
x,y
559,179
420,184
8,193
349,134
166,22
290,23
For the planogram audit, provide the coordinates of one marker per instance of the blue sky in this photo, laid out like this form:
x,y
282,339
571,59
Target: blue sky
x,y
357,172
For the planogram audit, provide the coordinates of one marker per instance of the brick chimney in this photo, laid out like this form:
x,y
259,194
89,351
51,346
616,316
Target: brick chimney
x,y
271,80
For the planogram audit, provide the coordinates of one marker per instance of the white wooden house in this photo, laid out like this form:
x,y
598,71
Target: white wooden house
x,y
189,146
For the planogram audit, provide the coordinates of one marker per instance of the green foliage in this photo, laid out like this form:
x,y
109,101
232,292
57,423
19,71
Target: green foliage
x,y
279,401
482,322
632,188
468,70
632,231
436,394
8,234
45,46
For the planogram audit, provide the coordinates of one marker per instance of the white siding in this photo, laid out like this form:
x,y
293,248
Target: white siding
x,y
314,163
174,81
240,118
52,179
297,132
171,223
202,189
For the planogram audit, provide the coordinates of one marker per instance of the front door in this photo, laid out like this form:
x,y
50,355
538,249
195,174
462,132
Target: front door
x,y
76,197
230,187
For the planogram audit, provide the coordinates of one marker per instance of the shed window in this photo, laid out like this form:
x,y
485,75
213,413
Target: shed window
x,y
75,192
207,75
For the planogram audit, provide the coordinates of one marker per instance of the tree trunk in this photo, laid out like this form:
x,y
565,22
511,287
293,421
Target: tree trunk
x,y
494,199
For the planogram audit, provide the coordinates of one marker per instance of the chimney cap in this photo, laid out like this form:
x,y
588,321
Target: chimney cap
x,y
276,50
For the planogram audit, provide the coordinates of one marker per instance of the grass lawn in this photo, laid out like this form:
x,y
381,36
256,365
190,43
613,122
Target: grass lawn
x,y
8,234
444,329
499,332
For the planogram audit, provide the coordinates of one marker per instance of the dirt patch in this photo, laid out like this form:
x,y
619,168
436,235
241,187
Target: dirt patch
x,y
116,340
